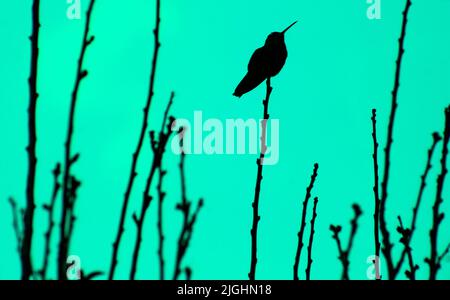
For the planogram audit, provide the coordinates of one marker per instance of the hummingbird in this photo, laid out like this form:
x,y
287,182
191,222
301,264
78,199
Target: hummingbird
x,y
265,62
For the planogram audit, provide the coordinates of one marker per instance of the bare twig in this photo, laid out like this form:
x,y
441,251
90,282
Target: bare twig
x,y
405,240
50,209
161,197
345,253
27,267
137,151
189,218
69,158
259,177
311,238
16,224
303,221
434,261
387,246
158,148
376,215
436,139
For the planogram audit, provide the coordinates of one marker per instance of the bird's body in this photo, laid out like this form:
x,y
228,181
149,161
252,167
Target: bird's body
x,y
265,62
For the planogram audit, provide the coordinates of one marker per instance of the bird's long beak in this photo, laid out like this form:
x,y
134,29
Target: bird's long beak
x,y
284,31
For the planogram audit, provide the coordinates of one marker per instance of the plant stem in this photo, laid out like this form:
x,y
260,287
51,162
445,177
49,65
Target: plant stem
x,y
434,260
50,210
189,219
69,160
158,148
137,151
376,215
344,254
259,177
303,221
311,239
387,246
411,272
27,267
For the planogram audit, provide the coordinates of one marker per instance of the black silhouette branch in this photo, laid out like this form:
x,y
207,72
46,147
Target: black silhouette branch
x,y
16,224
27,267
444,254
428,166
51,223
189,218
344,254
434,260
311,239
259,177
303,221
137,151
387,246
376,215
69,158
405,239
158,147
161,197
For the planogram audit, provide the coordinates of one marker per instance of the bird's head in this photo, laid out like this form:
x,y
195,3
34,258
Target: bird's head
x,y
275,38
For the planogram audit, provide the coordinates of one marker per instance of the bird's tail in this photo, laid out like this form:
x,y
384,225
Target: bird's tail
x,y
248,83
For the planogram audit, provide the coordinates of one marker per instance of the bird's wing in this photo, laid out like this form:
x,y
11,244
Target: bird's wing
x,y
257,60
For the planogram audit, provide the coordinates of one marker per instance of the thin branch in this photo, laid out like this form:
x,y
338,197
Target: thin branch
x,y
50,211
303,221
344,254
444,254
161,197
376,215
158,147
311,239
405,240
69,158
189,219
27,267
137,151
16,224
387,246
433,261
259,177
428,166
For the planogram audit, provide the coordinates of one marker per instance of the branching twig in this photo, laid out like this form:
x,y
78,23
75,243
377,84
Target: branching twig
x,y
16,224
69,158
259,177
158,147
434,260
345,253
376,215
27,267
405,239
311,238
387,246
303,221
161,196
133,172
189,218
50,209
436,139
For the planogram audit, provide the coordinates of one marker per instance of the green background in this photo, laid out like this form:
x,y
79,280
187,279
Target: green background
x,y
340,66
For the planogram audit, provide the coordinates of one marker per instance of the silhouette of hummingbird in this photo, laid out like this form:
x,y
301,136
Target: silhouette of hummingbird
x,y
265,62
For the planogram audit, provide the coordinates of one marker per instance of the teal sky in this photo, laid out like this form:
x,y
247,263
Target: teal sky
x,y
340,66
